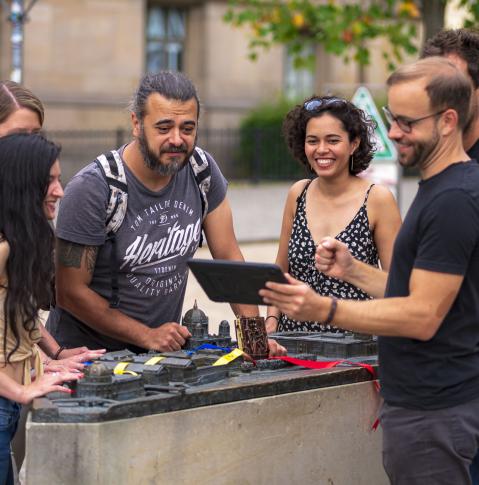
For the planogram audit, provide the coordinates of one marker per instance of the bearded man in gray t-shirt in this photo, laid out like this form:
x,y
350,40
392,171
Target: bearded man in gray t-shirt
x,y
160,231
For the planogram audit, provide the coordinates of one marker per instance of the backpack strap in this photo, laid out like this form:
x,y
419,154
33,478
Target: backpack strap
x,y
202,173
112,168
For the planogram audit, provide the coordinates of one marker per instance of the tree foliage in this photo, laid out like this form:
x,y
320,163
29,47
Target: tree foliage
x,y
342,28
472,8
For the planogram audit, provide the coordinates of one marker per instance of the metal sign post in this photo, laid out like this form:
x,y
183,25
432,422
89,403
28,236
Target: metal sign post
x,y
17,16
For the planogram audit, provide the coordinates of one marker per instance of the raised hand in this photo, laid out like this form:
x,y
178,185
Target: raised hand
x,y
334,259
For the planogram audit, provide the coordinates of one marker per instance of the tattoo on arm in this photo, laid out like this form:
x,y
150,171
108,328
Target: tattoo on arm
x,y
70,255
90,257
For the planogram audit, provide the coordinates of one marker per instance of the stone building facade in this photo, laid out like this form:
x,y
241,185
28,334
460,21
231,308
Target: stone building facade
x,y
85,57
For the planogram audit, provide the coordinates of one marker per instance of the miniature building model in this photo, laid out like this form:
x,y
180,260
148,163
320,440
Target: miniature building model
x,y
196,321
123,384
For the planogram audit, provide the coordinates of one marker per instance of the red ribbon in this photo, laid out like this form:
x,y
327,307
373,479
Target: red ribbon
x,y
314,364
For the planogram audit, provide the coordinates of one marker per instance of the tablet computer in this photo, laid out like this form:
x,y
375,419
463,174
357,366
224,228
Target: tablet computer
x,y
234,281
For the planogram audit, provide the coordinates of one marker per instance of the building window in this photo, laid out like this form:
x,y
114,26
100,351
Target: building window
x,y
298,83
165,37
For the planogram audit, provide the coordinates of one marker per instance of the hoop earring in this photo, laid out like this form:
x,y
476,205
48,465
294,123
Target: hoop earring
x,y
351,163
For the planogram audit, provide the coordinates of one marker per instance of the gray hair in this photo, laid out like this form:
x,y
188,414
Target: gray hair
x,y
170,84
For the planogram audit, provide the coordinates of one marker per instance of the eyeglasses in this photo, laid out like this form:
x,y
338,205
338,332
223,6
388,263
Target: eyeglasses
x,y
405,125
318,102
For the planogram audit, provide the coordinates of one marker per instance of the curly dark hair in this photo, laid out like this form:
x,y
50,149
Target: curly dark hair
x,y
354,120
25,163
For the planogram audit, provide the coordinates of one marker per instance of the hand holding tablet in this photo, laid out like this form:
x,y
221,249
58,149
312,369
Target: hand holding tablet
x,y
234,281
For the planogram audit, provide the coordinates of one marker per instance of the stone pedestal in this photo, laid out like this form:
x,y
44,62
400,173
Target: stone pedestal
x,y
318,436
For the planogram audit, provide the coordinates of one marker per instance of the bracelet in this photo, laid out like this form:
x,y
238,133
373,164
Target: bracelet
x,y
58,352
332,310
272,316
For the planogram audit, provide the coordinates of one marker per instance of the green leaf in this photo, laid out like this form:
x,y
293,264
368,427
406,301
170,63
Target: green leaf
x,y
343,28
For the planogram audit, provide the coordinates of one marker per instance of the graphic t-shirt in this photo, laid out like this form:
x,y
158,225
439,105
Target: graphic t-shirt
x,y
161,230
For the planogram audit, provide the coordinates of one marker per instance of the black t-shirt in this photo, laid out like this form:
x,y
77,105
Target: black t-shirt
x,y
440,234
473,152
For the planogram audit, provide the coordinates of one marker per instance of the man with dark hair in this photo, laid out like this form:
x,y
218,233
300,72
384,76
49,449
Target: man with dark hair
x,y
461,47
427,324
123,285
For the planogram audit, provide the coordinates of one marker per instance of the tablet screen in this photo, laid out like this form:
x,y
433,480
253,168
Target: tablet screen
x,y
234,281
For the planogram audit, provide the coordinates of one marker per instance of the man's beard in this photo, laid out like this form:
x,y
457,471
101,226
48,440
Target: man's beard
x,y
422,152
153,162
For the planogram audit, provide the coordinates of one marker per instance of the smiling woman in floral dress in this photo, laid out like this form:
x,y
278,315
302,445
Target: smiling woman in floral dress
x,y
333,138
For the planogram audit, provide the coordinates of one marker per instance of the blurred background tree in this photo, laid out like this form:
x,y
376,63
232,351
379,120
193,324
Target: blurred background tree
x,y
343,28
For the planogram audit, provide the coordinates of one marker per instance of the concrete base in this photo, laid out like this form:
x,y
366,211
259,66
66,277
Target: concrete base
x,y
321,436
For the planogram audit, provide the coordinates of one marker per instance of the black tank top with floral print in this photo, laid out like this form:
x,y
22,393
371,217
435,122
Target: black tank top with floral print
x,y
301,250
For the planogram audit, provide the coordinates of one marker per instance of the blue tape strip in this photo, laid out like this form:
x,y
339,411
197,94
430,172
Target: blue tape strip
x,y
208,346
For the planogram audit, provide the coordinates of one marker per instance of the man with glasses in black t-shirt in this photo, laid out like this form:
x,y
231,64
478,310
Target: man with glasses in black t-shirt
x,y
429,343
461,46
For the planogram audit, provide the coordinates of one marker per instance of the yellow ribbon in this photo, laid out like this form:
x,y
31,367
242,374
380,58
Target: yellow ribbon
x,y
226,359
120,369
154,360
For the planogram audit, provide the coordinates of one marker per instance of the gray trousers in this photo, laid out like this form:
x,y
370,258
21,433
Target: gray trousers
x,y
431,447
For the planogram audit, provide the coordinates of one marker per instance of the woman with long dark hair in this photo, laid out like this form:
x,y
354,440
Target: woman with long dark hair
x,y
29,189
